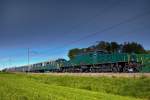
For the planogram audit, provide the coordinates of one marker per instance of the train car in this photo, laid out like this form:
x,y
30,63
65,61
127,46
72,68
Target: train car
x,y
47,66
99,61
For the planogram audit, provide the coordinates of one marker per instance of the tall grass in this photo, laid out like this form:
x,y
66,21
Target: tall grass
x,y
135,87
43,87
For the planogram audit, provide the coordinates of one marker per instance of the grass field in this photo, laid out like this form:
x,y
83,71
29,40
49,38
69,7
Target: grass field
x,y
50,87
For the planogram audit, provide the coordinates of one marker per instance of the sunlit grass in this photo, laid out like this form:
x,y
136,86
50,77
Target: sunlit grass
x,y
43,87
135,87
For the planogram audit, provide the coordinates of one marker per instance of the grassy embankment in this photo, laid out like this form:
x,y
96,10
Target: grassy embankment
x,y
44,87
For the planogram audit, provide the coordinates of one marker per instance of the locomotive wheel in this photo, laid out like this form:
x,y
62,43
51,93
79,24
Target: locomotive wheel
x,y
115,69
92,70
126,69
135,70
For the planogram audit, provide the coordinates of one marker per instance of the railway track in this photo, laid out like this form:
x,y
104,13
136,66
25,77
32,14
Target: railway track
x,y
99,74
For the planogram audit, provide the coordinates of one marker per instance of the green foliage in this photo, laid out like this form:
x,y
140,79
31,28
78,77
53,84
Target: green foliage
x,y
110,47
114,47
133,47
105,46
73,52
43,87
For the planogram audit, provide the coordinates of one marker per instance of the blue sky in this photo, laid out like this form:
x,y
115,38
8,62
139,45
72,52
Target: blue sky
x,y
48,27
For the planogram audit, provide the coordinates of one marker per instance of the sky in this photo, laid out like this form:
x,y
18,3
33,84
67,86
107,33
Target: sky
x,y
49,28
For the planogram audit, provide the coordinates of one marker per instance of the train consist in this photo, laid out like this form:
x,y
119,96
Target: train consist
x,y
94,61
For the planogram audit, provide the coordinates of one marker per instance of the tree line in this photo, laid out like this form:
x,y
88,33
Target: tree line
x,y
110,47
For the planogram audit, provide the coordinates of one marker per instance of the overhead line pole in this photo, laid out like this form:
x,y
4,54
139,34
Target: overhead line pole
x,y
28,56
28,59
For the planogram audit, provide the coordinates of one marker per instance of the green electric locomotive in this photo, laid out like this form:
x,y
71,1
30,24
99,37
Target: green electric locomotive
x,y
100,61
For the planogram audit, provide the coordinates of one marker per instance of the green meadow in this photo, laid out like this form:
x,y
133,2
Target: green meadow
x,y
50,87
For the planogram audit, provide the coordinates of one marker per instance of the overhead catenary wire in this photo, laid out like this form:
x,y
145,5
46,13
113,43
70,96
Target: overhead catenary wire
x,y
111,27
104,10
129,20
57,52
